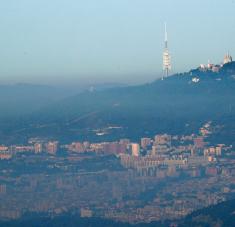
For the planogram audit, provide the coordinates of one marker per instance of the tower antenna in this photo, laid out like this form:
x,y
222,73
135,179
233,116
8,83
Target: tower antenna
x,y
166,37
166,56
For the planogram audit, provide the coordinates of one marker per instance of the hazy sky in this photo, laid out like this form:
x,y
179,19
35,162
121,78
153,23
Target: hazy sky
x,y
85,41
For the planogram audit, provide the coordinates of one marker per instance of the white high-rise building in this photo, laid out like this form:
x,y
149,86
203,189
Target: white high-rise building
x,y
166,57
135,149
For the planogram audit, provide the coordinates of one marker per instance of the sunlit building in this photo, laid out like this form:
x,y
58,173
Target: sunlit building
x,y
135,149
38,148
52,147
227,58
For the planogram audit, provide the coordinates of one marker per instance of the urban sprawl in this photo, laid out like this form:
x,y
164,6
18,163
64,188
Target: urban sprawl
x,y
165,177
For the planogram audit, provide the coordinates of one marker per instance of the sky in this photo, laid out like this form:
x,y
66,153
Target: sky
x,y
109,41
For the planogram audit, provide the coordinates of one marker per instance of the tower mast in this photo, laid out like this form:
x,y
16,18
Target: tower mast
x,y
166,38
166,56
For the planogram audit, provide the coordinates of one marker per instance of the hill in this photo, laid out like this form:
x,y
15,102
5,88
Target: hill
x,y
179,104
221,215
21,99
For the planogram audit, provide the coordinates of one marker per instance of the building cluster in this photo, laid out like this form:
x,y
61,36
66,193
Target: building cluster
x,y
7,152
174,152
216,67
157,178
38,146
163,149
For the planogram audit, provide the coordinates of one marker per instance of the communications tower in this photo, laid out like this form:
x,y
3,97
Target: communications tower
x,y
166,57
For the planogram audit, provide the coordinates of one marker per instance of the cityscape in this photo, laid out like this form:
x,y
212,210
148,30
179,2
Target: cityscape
x,y
160,178
117,113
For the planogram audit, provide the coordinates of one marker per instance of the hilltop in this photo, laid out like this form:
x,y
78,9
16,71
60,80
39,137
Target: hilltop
x,y
179,104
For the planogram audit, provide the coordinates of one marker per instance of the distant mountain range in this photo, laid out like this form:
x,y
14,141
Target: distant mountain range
x,y
19,99
179,104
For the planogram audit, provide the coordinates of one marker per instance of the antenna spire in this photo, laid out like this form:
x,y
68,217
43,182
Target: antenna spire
x,y
166,56
166,36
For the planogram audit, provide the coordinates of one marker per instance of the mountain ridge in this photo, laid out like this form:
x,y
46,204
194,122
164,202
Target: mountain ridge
x,y
179,104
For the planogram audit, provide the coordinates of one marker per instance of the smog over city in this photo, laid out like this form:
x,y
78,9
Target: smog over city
x,y
117,113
